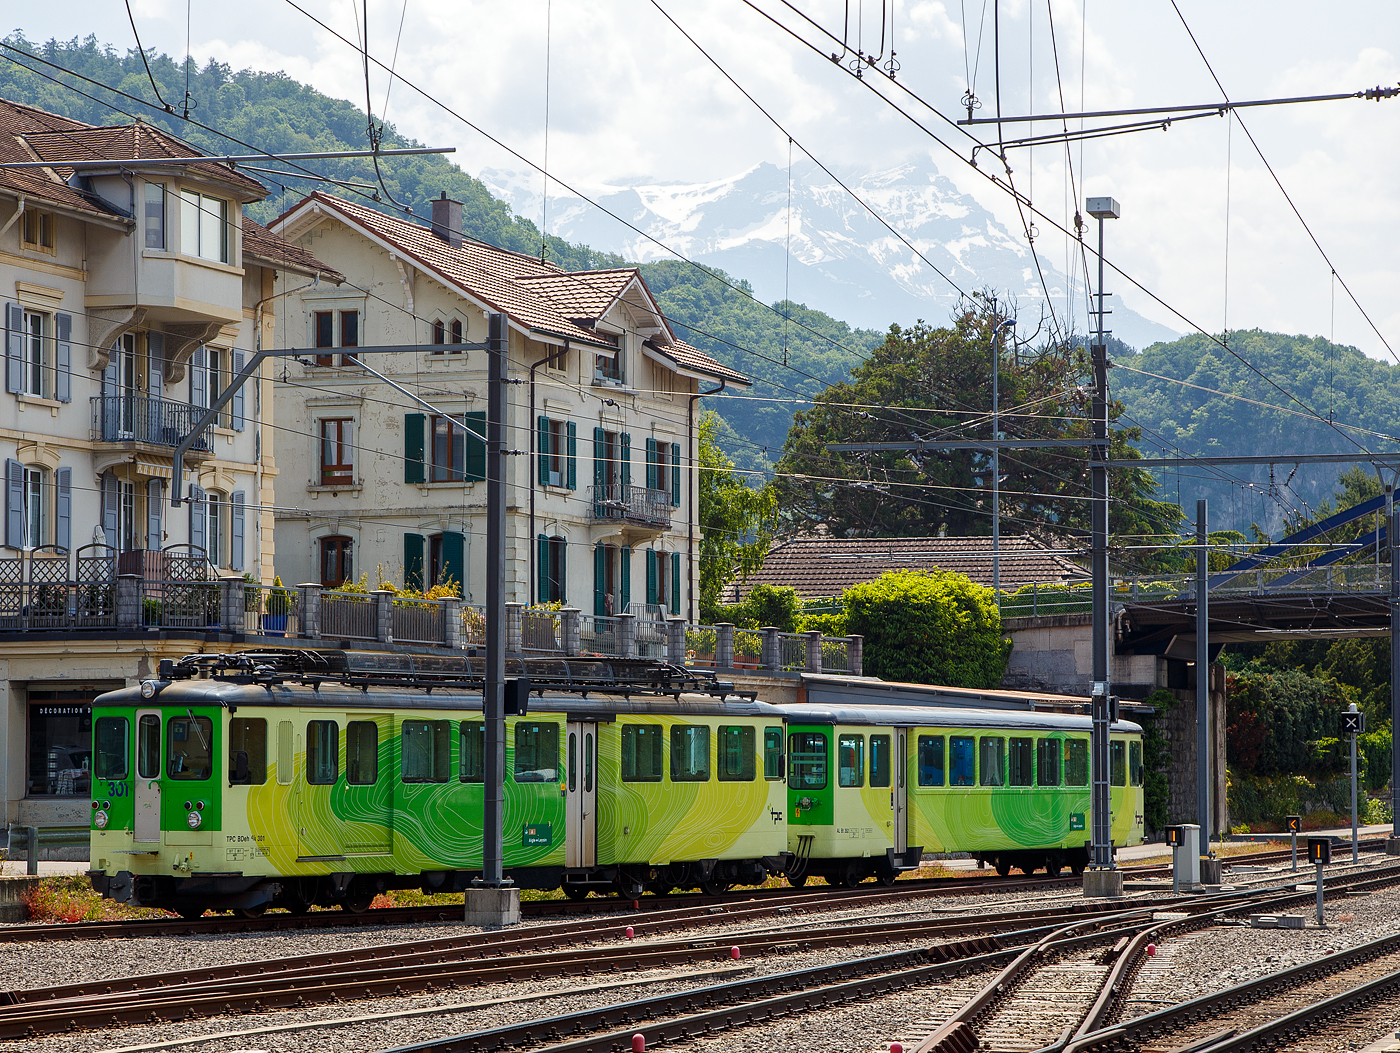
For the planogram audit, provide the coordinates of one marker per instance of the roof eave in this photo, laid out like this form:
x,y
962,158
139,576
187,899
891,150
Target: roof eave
x,y
113,222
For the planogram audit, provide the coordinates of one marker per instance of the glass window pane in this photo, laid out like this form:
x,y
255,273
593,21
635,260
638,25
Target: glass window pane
x,y
588,763
536,752
1047,762
641,752
1021,769
879,760
155,215
1076,762
322,752
690,753
772,753
361,753
992,760
60,743
148,747
426,750
189,222
191,753
211,229
473,751
247,751
1135,763
963,761
111,748
931,760
573,761
736,754
807,760
850,760
1117,765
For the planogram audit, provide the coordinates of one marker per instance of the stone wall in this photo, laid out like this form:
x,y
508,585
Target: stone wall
x,y
1178,726
1054,653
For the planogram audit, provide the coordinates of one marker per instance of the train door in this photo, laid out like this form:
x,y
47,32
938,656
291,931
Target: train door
x,y
148,772
581,795
317,836
899,797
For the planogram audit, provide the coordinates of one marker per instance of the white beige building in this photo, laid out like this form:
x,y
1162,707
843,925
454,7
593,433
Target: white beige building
x,y
602,420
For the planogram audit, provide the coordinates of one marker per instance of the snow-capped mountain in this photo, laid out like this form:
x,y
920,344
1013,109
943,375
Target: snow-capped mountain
x,y
843,260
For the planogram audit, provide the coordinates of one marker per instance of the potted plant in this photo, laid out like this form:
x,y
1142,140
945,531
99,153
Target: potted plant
x,y
279,605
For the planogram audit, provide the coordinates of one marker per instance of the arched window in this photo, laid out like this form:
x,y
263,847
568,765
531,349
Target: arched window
x,y
456,335
337,561
439,334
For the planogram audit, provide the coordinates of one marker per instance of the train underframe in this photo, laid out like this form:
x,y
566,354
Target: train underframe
x,y
1029,860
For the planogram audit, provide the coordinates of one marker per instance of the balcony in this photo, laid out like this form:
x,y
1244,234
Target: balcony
x,y
631,506
146,420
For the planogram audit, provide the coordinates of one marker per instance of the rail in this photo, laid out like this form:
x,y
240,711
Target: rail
x,y
632,504
146,418
32,839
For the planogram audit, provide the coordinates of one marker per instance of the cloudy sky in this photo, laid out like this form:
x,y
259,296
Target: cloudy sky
x,y
632,99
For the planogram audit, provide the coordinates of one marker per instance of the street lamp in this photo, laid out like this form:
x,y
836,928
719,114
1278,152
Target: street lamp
x,y
997,330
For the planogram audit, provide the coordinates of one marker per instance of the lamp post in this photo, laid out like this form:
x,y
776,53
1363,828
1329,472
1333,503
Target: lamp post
x,y
997,330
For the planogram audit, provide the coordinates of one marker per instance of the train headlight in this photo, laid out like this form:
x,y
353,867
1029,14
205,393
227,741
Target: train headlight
x,y
194,819
148,688
100,820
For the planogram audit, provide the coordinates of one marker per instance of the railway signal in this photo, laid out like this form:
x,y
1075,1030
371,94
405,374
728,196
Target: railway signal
x,y
1319,854
1295,827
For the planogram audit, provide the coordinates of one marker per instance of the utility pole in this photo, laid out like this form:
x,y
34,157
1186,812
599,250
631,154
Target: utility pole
x,y
997,329
1202,679
1101,208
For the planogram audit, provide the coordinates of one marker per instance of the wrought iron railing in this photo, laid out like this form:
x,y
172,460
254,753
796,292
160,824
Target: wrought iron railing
x,y
418,621
145,418
598,634
349,616
633,504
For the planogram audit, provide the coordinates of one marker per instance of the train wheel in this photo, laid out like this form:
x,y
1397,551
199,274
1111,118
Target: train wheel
x,y
661,890
357,902
888,876
252,912
1003,866
575,892
1052,868
714,887
1077,869
797,881
190,911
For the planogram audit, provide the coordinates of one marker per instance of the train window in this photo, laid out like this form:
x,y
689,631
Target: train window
x,y
426,750
573,761
110,746
807,760
962,758
191,748
322,752
362,753
690,753
1117,769
736,754
587,763
473,752
879,760
536,752
1047,762
285,767
1076,762
850,760
772,753
641,752
148,747
992,761
1021,770
247,751
1135,763
930,760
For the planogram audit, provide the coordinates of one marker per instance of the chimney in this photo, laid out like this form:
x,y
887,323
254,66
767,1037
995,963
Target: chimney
x,y
447,220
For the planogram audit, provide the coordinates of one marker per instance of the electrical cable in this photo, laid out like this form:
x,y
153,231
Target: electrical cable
x,y
149,76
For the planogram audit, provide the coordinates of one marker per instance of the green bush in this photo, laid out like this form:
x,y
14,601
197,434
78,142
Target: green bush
x,y
1156,761
827,624
932,627
762,607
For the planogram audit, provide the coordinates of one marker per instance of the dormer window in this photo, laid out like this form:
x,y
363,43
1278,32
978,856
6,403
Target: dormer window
x,y
204,226
608,368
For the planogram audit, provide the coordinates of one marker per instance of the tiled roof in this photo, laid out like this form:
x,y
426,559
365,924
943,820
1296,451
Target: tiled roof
x,y
819,566
16,122
581,295
263,244
692,358
136,141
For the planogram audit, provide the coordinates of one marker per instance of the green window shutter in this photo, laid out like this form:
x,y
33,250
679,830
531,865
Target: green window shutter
x,y
543,455
651,464
600,468
571,477
624,579
600,580
563,571
625,441
542,571
675,583
651,576
454,569
413,448
676,474
413,560
476,447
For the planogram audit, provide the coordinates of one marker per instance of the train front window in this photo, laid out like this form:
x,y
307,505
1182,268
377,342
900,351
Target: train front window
x,y
690,753
736,754
361,753
536,752
1022,757
426,750
1135,763
641,752
1076,762
110,748
992,760
148,747
772,753
247,751
850,760
879,760
930,760
1047,762
322,752
807,760
1117,768
191,748
962,755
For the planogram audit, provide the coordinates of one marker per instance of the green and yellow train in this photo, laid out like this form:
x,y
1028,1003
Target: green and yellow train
x,y
313,778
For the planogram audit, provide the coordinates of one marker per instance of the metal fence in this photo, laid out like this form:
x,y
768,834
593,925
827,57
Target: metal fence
x,y
634,504
271,611
836,655
792,651
539,630
418,621
349,616
473,630
599,634
650,635
145,418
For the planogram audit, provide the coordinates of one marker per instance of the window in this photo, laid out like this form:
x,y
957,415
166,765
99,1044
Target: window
x,y
60,743
641,752
735,754
1047,762
992,761
772,753
111,748
247,751
322,752
930,760
807,760
553,552
190,748
337,451
1076,762
216,527
35,372
690,753
148,747
612,579
446,558
1135,763
556,443
1117,766
349,334
337,561
536,752
472,749
361,753
449,459
324,324
456,335
129,539
963,761
208,374
439,334
39,230
427,750
607,369
36,507
879,760
1022,770
155,215
850,760
558,359
204,226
